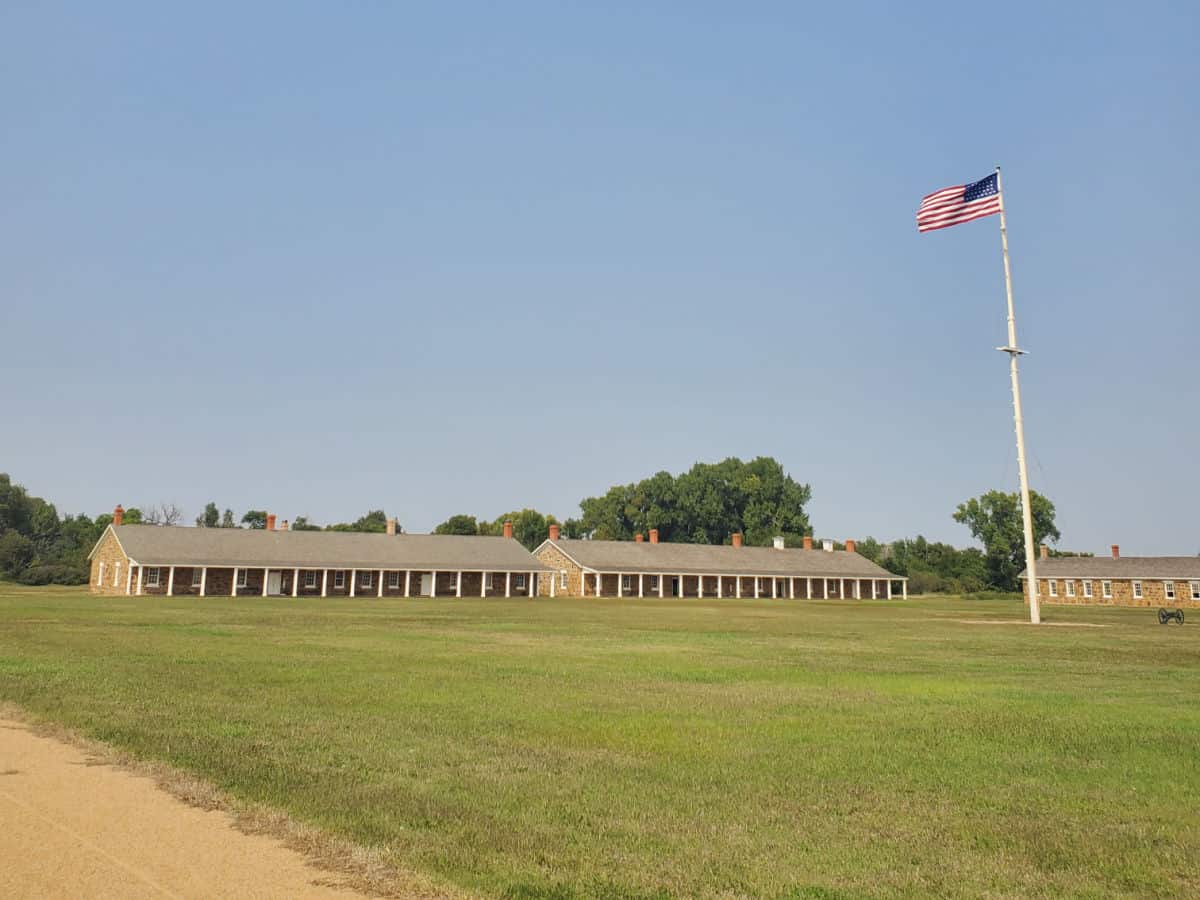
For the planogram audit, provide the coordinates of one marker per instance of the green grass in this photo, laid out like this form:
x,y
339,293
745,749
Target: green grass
x,y
653,748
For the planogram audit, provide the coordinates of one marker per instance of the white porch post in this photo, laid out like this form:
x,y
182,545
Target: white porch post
x,y
407,581
295,582
380,593
483,584
139,585
738,583
661,579
233,587
825,593
620,585
532,585
700,586
792,588
874,588
353,578
857,589
553,583
433,583
170,581
128,577
324,582
889,589
458,585
755,587
774,588
266,572
599,583
203,580
720,586
808,588
842,588
904,588
508,584
641,584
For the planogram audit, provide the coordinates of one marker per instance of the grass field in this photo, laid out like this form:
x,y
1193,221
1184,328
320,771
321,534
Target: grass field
x,y
645,748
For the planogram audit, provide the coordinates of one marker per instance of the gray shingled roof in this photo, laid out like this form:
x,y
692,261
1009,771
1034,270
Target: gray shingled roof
x,y
163,546
1148,567
709,559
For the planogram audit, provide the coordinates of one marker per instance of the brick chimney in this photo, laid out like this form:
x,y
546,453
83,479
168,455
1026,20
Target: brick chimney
x,y
283,526
808,542
1116,551
555,531
391,527
850,545
1045,552
508,528
118,514
270,521
654,535
737,539
638,538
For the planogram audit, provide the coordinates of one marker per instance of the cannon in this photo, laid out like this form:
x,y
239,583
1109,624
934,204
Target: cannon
x,y
1165,616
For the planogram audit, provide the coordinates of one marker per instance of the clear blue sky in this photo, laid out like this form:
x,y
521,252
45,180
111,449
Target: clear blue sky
x,y
437,258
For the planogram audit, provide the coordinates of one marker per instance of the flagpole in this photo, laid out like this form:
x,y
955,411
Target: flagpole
x,y
1019,421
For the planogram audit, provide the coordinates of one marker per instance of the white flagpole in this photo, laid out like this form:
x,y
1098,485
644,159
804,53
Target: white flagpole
x,y
1013,352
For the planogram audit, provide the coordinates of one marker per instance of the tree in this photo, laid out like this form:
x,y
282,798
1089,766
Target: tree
x,y
373,522
255,519
995,521
458,524
163,514
301,523
211,517
16,552
705,505
227,519
530,527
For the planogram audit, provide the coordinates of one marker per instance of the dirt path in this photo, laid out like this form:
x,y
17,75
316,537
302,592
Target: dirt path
x,y
70,827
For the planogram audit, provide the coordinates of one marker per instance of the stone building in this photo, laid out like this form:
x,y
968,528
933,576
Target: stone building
x,y
641,568
172,561
1116,580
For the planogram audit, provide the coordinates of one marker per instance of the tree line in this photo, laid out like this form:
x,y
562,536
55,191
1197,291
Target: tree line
x,y
706,504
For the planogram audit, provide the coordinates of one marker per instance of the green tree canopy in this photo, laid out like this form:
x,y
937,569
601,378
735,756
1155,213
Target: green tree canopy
x,y
995,521
458,524
210,518
374,521
301,523
255,518
705,505
227,519
530,527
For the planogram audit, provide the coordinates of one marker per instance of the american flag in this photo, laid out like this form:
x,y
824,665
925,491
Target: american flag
x,y
958,204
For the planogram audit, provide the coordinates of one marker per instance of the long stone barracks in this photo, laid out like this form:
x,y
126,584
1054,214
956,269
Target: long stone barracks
x,y
1117,580
642,568
148,559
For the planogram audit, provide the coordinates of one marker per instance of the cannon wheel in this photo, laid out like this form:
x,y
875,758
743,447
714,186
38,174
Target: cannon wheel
x,y
1179,616
1163,617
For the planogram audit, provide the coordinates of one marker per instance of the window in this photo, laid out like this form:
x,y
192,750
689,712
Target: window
x,y
241,581
1053,587
1070,588
451,582
1137,590
152,577
197,575
1195,586
1087,589
116,575
339,578
366,579
487,581
310,579
1106,589
562,578
393,580
100,577
519,581
626,582
1169,589
654,582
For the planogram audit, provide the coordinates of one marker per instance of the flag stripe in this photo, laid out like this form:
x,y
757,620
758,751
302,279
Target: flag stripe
x,y
958,209
969,218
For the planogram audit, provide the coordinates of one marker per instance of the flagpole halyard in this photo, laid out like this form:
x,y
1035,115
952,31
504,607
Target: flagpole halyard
x,y
1018,419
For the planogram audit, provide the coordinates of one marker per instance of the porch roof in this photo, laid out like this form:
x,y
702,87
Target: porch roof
x,y
709,559
227,547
